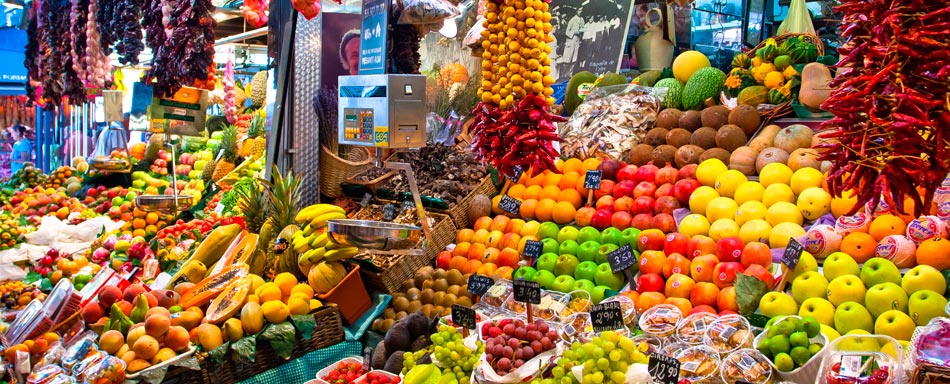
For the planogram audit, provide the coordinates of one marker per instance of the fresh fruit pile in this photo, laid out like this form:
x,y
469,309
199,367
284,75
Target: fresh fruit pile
x,y
36,348
452,354
10,230
511,343
430,291
770,75
27,177
120,252
145,183
313,244
549,195
55,265
406,343
604,359
681,138
159,166
789,343
16,294
38,202
344,373
63,177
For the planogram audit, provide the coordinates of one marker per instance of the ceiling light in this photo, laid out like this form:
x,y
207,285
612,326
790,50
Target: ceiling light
x,y
220,16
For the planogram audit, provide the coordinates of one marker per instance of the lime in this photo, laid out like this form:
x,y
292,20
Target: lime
x,y
814,349
799,339
764,347
784,362
779,344
800,355
811,326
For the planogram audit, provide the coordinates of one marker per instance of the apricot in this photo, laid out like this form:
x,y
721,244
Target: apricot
x,y
146,347
177,338
133,291
186,319
125,306
111,341
125,348
163,355
184,287
157,325
92,312
208,336
138,365
109,295
128,357
136,332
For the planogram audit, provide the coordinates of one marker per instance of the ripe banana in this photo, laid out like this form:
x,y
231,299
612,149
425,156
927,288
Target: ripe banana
x,y
307,214
311,257
340,254
321,221
320,241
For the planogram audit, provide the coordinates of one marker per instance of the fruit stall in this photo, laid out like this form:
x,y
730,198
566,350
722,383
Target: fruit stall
x,y
777,217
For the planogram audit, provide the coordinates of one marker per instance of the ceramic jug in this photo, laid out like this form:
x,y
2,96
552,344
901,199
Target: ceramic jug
x,y
652,50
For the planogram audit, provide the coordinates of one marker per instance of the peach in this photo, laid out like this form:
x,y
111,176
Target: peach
x,y
111,341
704,293
157,310
584,216
157,325
92,312
702,267
684,305
177,339
128,357
652,261
679,285
146,347
109,295
727,300
483,222
700,309
181,288
138,365
163,355
132,291
675,263
135,332
208,336
649,300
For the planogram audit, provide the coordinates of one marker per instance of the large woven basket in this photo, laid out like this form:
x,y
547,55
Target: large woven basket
x,y
786,107
328,331
930,374
334,170
459,212
443,234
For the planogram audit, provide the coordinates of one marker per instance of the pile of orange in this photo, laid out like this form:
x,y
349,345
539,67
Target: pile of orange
x,y
551,196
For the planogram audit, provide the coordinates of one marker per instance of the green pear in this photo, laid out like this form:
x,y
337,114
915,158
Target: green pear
x,y
808,285
839,264
846,288
851,315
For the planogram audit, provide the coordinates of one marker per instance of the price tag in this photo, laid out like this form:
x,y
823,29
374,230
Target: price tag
x,y
606,317
463,316
851,365
663,369
527,291
621,259
366,198
510,204
408,205
516,175
532,248
478,284
389,212
592,179
793,253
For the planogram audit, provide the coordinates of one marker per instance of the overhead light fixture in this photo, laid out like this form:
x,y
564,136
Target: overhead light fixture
x,y
221,14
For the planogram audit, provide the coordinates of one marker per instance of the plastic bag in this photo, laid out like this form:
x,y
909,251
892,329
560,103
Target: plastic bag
x,y
798,20
427,11
611,121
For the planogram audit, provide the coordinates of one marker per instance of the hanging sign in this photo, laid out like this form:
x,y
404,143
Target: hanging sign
x,y
373,32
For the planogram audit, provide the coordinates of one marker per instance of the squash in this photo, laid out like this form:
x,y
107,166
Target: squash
x,y
814,89
743,160
769,156
802,158
793,137
453,73
324,276
765,137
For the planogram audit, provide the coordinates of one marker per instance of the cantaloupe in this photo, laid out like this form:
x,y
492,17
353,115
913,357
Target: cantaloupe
x,y
688,63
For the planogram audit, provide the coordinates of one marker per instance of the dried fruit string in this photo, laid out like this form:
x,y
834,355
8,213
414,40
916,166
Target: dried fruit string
x,y
892,105
513,126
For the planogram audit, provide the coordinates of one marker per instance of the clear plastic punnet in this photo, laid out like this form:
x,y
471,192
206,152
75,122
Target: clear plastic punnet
x,y
862,359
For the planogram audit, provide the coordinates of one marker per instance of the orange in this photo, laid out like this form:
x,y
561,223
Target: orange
x,y
536,180
550,192
860,246
571,196
516,191
840,206
573,165
151,218
564,212
528,208
286,282
569,180
494,205
551,179
138,224
935,253
532,192
590,164
885,225
579,186
545,210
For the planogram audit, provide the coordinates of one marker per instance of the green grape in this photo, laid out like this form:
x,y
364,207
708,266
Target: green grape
x,y
618,377
603,364
568,380
598,377
589,379
598,353
615,355
609,346
589,366
627,345
558,372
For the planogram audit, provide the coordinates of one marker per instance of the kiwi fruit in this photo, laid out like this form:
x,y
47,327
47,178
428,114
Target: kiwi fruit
x,y
454,289
414,306
704,137
656,136
427,269
409,283
440,285
387,324
426,296
641,154
401,304
389,313
449,300
427,284
730,137
678,137
438,298
454,277
688,154
421,277
663,155
669,118
716,153
413,294
439,274
691,120
401,315
464,301
747,118
427,309
715,116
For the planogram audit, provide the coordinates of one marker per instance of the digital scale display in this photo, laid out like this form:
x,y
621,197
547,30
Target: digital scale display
x,y
358,124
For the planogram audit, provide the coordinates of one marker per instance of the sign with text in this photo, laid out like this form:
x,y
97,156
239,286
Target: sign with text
x,y
621,259
373,31
510,204
463,316
527,291
592,179
663,369
606,317
478,284
793,253
532,248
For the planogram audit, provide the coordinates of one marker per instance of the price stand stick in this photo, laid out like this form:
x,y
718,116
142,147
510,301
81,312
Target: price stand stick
x,y
530,312
528,292
621,260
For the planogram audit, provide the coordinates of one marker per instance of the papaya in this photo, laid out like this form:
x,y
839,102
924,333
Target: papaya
x,y
252,318
324,276
240,250
186,319
211,249
207,289
229,302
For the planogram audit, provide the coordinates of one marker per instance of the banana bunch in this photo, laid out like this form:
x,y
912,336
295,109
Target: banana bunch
x,y
313,243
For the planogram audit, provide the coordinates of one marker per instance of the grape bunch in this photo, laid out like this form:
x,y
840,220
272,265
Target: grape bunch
x,y
512,343
411,359
605,359
452,354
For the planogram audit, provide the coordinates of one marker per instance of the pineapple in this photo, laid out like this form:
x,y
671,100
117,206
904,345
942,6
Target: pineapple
x,y
258,135
208,171
256,208
230,157
284,194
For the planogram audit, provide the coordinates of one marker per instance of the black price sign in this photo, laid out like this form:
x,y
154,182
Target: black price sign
x,y
532,248
793,253
606,317
592,179
516,175
366,198
510,204
621,259
389,212
663,369
478,284
463,316
527,291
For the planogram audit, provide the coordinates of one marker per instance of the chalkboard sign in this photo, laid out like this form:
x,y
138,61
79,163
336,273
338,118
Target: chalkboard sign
x,y
663,369
510,204
478,284
365,201
606,317
532,248
389,212
621,259
463,316
592,179
527,291
793,253
515,175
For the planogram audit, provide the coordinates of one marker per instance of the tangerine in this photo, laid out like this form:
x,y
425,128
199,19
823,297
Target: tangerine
x,y
935,253
532,192
536,180
550,192
840,206
885,225
545,210
564,212
573,165
528,208
517,191
286,281
151,218
551,179
860,246
571,196
590,164
568,180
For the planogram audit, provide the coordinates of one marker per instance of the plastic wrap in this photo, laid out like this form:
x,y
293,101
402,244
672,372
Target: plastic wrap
x,y
611,121
424,12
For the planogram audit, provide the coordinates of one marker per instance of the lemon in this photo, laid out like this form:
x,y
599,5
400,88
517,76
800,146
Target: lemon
x,y
701,198
694,225
782,232
721,208
275,312
776,193
755,230
783,212
750,210
775,173
298,306
805,178
708,171
723,228
749,191
729,181
814,202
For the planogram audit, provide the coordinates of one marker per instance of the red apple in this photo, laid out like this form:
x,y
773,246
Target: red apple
x,y
646,173
687,172
701,309
724,275
702,268
663,190
624,204
605,202
644,188
664,222
643,204
621,220
759,272
666,204
684,188
609,169
624,188
601,219
701,245
627,173
675,263
584,216
729,249
665,175
676,243
642,221
756,253
606,188
443,259
650,282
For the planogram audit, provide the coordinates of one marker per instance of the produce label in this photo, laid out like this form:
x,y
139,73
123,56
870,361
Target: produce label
x,y
793,253
510,204
381,137
389,212
606,316
281,245
463,316
851,365
532,248
663,369
478,284
527,291
621,259
592,179
366,198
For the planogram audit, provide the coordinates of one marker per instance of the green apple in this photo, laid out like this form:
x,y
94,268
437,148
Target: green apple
x,y
839,264
806,263
587,251
809,285
630,236
583,285
611,236
925,305
566,264
567,233
138,184
563,283
598,293
550,246
546,262
568,247
846,288
605,250
860,341
775,304
588,234
895,324
885,297
544,278
924,277
585,270
548,230
525,273
879,270
830,332
820,309
851,315
607,278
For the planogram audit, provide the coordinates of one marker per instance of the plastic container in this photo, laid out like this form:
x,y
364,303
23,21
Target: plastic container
x,y
574,325
627,306
346,360
497,294
375,374
350,296
576,302
552,303
728,333
852,359
692,328
748,365
654,344
931,343
698,364
672,349
661,320
808,371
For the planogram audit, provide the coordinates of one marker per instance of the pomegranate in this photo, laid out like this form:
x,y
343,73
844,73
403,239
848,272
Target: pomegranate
x,y
627,173
645,188
687,172
609,169
646,173
667,174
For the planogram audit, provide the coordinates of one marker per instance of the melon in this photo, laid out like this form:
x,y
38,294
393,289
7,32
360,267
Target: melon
x,y
688,63
753,95
229,302
324,276
210,287
802,158
769,156
704,84
674,91
793,137
571,98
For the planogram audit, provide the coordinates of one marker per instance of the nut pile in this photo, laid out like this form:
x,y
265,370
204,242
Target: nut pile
x,y
449,174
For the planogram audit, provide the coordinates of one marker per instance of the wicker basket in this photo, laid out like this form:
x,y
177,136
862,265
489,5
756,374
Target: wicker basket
x,y
443,234
786,107
930,374
459,213
335,170
328,331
